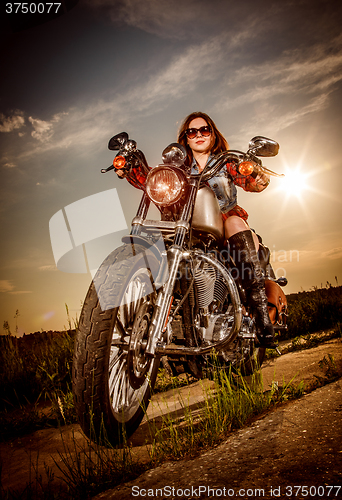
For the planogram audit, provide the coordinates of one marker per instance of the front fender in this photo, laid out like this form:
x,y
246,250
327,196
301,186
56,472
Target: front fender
x,y
159,251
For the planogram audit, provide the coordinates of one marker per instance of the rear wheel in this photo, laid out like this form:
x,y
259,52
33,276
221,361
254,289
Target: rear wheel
x,y
245,357
249,357
112,376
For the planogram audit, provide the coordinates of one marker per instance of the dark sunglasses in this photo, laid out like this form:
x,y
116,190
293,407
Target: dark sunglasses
x,y
191,133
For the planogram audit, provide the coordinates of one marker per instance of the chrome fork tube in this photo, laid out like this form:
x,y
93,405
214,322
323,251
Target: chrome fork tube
x,y
163,303
141,214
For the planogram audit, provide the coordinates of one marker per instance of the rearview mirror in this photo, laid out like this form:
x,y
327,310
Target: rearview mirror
x,y
261,146
118,141
174,154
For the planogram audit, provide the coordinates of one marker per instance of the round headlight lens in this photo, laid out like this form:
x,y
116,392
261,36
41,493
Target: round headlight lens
x,y
164,185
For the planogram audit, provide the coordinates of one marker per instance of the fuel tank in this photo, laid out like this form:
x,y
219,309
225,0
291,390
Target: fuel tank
x,y
207,218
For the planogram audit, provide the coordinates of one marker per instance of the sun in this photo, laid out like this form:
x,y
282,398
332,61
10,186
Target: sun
x,y
294,183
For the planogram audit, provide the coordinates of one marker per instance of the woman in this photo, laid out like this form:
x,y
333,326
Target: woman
x,y
201,138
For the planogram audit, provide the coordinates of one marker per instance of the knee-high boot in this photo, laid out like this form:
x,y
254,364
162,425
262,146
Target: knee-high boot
x,y
244,253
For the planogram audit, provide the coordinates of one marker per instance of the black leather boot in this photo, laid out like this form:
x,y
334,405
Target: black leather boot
x,y
246,259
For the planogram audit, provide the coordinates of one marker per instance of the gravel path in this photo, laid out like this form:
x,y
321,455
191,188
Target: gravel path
x,y
294,450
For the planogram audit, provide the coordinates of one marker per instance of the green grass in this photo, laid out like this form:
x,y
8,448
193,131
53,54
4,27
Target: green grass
x,y
34,366
166,381
35,370
308,341
230,405
318,309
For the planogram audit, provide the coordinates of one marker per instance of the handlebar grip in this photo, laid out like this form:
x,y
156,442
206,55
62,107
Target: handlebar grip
x,y
105,170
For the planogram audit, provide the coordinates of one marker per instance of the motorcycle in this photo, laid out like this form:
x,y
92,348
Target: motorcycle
x,y
168,294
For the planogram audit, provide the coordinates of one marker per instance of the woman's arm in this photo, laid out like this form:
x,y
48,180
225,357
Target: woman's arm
x,y
256,182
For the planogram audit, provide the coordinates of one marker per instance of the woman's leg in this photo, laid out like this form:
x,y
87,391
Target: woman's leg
x,y
235,224
244,246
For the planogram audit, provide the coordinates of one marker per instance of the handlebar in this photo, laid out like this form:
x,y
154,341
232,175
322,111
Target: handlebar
x,y
216,163
133,157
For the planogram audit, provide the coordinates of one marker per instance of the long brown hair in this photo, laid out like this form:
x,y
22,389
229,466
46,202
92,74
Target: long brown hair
x,y
219,143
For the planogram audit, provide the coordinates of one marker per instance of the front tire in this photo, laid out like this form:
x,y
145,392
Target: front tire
x,y
113,380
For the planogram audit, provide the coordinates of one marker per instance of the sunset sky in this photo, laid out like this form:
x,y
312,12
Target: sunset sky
x,y
257,68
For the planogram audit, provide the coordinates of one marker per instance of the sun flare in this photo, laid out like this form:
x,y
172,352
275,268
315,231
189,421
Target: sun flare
x,y
294,183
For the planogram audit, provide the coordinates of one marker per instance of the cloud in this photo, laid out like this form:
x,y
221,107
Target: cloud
x,y
85,125
43,130
49,182
303,79
7,162
10,123
286,90
294,72
333,254
48,268
272,122
196,19
184,72
6,286
176,19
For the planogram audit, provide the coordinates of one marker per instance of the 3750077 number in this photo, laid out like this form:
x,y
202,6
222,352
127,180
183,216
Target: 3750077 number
x,y
312,491
32,8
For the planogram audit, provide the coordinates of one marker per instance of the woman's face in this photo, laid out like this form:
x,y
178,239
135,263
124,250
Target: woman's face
x,y
200,144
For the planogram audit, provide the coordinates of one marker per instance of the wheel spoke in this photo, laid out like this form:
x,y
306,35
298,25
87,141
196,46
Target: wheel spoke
x,y
118,380
119,327
125,390
115,359
115,368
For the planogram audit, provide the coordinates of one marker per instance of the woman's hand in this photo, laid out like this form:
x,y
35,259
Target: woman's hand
x,y
262,179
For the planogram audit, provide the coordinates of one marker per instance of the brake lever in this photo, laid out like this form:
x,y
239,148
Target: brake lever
x,y
270,172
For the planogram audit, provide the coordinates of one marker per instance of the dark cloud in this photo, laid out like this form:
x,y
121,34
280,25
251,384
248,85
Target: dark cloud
x,y
12,122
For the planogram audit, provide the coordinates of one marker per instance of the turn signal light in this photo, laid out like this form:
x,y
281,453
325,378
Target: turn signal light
x,y
246,167
119,162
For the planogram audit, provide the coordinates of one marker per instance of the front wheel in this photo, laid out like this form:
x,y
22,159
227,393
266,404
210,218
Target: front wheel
x,y
112,377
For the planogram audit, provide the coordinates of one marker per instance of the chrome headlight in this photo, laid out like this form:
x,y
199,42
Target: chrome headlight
x,y
164,185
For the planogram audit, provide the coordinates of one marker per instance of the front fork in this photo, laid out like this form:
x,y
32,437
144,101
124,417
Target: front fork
x,y
174,256
164,301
